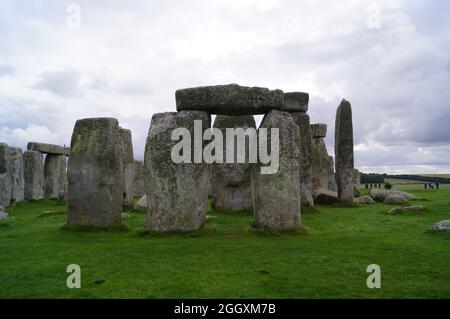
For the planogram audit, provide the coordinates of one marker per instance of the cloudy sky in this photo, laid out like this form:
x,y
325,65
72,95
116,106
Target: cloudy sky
x,y
64,60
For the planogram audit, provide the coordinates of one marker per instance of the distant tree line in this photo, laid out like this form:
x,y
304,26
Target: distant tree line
x,y
372,178
429,179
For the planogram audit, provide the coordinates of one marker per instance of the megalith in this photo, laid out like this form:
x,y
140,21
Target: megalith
x,y
95,173
356,183
276,197
5,176
177,191
305,146
54,176
34,175
17,174
231,182
344,152
332,183
322,171
138,185
128,166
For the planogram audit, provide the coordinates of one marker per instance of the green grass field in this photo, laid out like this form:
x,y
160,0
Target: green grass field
x,y
229,260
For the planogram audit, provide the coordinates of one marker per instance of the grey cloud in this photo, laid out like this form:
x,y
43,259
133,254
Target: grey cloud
x,y
6,70
63,83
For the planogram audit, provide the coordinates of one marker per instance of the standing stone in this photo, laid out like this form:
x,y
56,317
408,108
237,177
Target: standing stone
x,y
138,185
276,197
177,194
344,152
5,176
332,182
356,183
95,173
17,174
322,170
231,182
305,147
128,166
34,175
54,176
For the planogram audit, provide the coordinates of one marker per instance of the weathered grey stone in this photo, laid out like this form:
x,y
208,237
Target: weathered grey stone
x,y
5,175
141,204
3,216
356,183
177,194
276,197
17,174
138,185
407,209
344,152
95,173
319,130
379,195
332,182
55,176
229,99
442,226
364,200
394,199
128,166
325,197
48,148
296,102
34,175
231,182
305,147
321,166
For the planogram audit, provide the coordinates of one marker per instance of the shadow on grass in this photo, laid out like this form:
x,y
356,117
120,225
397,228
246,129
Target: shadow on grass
x,y
94,229
207,230
267,232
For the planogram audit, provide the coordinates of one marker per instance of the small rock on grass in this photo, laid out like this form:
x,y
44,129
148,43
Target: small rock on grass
x,y
407,209
442,226
3,216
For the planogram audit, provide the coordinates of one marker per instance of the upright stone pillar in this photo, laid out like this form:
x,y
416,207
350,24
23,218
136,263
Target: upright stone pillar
x,y
177,193
138,185
17,174
55,176
332,183
128,166
356,183
276,197
231,182
34,175
95,173
322,171
344,152
5,176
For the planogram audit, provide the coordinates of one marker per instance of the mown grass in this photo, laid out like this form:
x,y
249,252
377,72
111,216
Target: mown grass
x,y
228,258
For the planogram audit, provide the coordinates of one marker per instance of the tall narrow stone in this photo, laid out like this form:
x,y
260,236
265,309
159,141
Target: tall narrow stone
x,y
344,152
356,183
177,193
54,175
34,175
276,197
128,166
231,182
5,176
138,185
303,122
332,183
95,173
322,170
17,174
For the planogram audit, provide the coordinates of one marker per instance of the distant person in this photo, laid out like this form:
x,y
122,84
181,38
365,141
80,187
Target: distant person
x,y
437,185
431,186
379,185
367,186
425,186
371,186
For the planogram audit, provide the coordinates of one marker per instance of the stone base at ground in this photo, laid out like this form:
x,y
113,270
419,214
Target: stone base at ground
x,y
325,196
364,200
